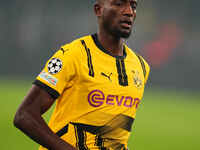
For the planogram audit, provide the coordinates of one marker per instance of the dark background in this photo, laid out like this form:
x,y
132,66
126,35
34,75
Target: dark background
x,y
166,33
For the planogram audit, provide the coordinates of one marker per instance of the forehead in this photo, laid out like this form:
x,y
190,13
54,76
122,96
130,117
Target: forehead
x,y
122,0
113,1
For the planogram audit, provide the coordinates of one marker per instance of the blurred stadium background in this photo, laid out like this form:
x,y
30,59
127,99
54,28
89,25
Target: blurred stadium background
x,y
166,33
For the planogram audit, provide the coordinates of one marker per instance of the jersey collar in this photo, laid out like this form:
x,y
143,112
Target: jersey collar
x,y
98,44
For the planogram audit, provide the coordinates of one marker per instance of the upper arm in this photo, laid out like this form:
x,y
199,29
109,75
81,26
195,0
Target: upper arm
x,y
57,74
37,101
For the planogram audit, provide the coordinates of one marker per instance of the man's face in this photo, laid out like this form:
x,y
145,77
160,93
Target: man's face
x,y
118,17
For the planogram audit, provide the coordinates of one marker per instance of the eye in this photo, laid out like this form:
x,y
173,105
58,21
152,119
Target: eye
x,y
118,3
134,5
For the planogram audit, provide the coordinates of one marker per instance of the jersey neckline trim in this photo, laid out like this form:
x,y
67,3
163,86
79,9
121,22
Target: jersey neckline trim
x,y
100,46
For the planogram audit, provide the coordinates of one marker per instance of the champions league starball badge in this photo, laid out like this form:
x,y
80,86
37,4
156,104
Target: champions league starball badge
x,y
54,66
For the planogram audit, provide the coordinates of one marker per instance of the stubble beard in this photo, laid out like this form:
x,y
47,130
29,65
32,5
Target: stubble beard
x,y
116,32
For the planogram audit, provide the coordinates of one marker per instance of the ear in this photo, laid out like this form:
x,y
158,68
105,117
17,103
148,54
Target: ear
x,y
98,9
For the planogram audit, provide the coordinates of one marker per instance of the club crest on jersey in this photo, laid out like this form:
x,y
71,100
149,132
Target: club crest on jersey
x,y
54,66
136,79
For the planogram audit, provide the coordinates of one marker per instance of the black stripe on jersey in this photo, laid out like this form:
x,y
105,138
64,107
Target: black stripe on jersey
x,y
120,121
96,130
90,66
123,147
88,128
99,142
53,93
120,146
128,122
80,138
62,131
122,76
143,65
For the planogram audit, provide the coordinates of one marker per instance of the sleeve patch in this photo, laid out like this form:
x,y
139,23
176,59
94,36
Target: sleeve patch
x,y
49,78
54,66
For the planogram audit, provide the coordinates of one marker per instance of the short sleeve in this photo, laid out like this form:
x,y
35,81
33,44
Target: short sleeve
x,y
58,73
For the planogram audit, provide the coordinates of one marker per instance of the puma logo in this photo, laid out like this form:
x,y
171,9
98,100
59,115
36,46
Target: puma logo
x,y
64,50
107,76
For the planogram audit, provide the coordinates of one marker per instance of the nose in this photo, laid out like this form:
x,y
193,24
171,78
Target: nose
x,y
129,11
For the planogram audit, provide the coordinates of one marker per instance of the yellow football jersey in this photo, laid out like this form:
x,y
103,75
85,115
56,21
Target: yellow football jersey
x,y
97,93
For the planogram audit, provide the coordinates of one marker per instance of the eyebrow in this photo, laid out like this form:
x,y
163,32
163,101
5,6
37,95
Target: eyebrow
x,y
134,1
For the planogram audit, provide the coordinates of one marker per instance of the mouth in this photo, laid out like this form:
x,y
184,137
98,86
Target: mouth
x,y
126,24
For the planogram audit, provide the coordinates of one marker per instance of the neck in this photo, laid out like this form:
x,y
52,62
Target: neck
x,y
112,44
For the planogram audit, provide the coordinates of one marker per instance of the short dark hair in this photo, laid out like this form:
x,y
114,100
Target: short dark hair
x,y
94,1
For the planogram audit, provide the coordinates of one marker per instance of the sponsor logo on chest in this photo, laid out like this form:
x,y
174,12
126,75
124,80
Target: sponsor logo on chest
x,y
97,98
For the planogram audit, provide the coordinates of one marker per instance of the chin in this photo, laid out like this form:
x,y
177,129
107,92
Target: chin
x,y
124,34
121,33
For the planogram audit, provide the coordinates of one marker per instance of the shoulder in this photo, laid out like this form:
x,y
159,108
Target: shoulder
x,y
134,55
75,43
73,48
69,53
